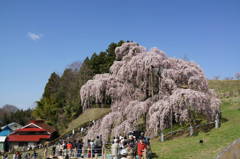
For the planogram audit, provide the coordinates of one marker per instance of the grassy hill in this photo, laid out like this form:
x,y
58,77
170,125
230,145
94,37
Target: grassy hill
x,y
87,116
189,147
226,88
214,140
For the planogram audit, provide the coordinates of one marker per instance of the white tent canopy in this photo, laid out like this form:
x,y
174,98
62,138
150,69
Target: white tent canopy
x,y
2,138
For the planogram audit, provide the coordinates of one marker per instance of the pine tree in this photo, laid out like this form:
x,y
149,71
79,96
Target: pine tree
x,y
52,86
61,98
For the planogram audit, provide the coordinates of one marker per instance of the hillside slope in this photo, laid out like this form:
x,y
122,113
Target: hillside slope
x,y
87,116
216,139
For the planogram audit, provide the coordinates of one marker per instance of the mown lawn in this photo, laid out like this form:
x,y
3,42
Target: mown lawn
x,y
214,140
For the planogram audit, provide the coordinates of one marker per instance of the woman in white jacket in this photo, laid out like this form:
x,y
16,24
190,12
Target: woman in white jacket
x,y
115,149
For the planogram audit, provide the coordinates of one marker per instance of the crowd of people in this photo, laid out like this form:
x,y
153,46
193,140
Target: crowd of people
x,y
77,148
19,155
133,146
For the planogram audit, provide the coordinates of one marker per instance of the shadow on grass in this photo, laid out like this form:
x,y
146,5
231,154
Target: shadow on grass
x,y
223,120
154,155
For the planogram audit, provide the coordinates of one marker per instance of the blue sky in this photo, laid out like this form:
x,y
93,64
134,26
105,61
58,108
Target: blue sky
x,y
44,36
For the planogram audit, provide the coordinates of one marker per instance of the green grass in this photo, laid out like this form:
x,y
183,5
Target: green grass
x,y
87,116
225,88
216,139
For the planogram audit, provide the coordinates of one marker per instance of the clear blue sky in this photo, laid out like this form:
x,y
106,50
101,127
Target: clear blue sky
x,y
40,37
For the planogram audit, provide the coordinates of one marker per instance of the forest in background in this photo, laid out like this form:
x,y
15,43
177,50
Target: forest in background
x,y
60,102
10,113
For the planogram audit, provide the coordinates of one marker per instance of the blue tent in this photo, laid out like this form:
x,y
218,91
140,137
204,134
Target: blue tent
x,y
3,134
5,131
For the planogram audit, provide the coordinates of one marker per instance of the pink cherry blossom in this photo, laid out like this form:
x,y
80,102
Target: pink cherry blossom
x,y
147,83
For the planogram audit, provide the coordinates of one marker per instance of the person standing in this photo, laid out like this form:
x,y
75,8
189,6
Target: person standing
x,y
45,152
79,148
141,146
89,149
53,150
15,156
28,155
5,156
35,154
130,153
115,149
69,149
98,146
18,155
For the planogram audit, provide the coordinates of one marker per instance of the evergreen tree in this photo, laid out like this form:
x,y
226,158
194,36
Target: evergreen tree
x,y
85,72
61,98
52,86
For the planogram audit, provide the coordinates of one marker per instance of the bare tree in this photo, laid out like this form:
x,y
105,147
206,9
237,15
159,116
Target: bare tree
x,y
75,66
228,78
216,77
237,75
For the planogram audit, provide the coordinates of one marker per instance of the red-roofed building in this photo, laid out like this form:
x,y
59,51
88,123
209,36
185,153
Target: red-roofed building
x,y
32,134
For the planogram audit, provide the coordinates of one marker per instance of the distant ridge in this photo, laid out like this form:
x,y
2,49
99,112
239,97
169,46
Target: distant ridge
x,y
8,108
